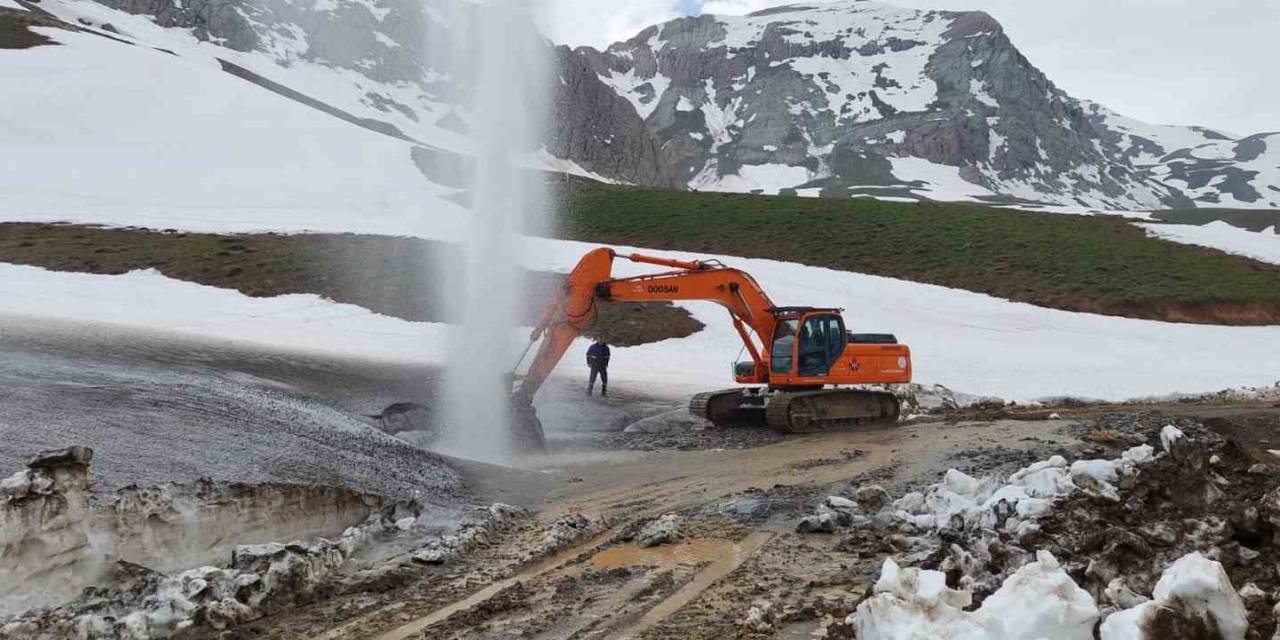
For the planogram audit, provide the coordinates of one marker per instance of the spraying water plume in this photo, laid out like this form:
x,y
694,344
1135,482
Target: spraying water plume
x,y
508,68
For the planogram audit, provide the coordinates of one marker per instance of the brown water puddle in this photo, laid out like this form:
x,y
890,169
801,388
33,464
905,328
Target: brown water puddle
x,y
687,552
729,559
415,627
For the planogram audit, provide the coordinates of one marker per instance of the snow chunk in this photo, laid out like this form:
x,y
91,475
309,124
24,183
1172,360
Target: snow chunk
x,y
1169,435
1039,601
1194,587
684,104
960,500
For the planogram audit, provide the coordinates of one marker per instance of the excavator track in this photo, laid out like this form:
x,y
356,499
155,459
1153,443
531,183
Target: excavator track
x,y
829,410
739,407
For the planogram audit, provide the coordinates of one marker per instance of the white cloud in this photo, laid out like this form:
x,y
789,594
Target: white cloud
x,y
1162,61
599,23
738,7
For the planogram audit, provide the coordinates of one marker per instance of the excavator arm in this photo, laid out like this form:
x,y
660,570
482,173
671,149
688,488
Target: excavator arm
x,y
591,283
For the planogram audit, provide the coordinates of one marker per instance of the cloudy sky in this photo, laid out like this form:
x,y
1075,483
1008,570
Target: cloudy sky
x,y
1205,62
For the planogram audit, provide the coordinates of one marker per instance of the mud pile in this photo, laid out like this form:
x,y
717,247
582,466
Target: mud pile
x,y
1114,525
1208,495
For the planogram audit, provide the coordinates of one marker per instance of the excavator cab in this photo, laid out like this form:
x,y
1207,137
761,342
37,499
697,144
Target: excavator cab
x,y
807,343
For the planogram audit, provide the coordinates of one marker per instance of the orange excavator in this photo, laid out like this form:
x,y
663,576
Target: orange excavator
x,y
802,358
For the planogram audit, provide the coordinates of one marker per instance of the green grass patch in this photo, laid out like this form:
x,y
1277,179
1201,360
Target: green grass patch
x,y
1082,263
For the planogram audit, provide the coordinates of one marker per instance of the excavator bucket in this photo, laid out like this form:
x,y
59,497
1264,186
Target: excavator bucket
x,y
526,428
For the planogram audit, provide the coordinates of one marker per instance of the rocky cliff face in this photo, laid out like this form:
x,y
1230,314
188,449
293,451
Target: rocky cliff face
x,y
862,98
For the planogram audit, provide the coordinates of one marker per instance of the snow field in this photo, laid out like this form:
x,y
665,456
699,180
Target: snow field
x,y
966,341
149,300
174,142
1260,245
941,182
768,179
209,146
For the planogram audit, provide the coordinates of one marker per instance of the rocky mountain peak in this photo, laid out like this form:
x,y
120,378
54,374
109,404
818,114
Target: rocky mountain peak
x,y
863,98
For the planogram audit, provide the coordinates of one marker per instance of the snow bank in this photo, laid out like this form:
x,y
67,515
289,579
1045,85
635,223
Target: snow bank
x,y
1038,601
1194,591
1027,352
147,299
960,501
1262,245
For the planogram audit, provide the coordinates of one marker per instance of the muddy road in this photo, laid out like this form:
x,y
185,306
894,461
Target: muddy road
x,y
735,565
638,523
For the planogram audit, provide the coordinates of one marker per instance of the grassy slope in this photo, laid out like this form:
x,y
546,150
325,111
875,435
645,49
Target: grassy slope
x,y
392,276
1095,264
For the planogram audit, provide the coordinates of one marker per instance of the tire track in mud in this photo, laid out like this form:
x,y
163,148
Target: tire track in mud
x,y
629,496
552,563
713,573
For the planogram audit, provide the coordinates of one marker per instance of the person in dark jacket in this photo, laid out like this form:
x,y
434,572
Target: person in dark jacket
x,y
598,360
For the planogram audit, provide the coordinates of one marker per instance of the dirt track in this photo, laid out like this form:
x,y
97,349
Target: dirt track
x,y
739,548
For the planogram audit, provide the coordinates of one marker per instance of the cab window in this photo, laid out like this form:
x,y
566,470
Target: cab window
x,y
821,343
784,339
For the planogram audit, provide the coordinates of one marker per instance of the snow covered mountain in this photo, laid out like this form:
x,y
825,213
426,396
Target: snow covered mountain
x,y
857,97
850,98
368,62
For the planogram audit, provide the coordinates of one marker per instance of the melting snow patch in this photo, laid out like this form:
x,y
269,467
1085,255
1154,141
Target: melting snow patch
x,y
1039,601
941,182
1169,435
979,91
766,178
961,501
1263,245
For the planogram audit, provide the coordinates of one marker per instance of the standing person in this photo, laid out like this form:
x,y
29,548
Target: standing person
x,y
598,360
